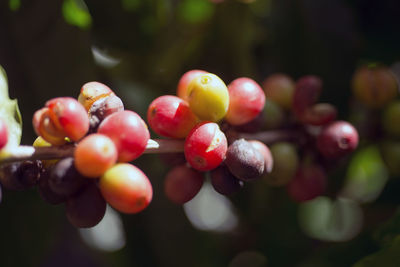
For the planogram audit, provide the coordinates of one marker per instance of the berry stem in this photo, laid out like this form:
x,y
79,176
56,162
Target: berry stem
x,y
271,136
22,153
154,146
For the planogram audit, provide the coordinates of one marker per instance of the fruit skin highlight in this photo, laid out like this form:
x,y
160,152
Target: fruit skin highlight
x,y
205,146
208,97
126,188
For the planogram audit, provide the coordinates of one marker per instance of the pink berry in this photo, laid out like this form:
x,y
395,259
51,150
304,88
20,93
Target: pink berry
x,y
128,132
246,101
306,94
184,82
205,146
171,116
337,139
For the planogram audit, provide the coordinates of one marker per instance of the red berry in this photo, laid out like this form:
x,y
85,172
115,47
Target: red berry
x,y
205,146
3,134
246,101
171,116
306,94
318,114
182,183
337,139
309,182
70,116
184,82
61,117
129,133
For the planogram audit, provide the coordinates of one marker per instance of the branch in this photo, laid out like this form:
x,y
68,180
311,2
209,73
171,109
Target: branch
x,y
154,146
22,153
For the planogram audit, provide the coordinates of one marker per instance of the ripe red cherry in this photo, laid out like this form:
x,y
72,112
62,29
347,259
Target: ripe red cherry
x,y
246,101
171,116
128,132
3,134
61,117
205,146
337,139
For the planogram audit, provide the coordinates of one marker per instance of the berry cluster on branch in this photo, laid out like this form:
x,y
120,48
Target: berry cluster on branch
x,y
240,132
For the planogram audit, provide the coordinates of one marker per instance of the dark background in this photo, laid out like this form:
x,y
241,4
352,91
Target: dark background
x,y
46,50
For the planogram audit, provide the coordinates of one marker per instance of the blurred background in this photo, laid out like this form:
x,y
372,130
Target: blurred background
x,y
140,49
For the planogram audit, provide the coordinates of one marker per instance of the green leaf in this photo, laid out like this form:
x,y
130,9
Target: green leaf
x,y
9,113
75,12
14,4
196,11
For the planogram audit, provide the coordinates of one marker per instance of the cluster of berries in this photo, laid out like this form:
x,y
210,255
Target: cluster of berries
x,y
214,125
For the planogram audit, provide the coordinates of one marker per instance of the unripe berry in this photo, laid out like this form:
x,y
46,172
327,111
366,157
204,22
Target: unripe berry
x,y
205,146
246,101
91,92
279,88
337,139
208,97
391,119
183,83
286,161
126,188
374,86
94,155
